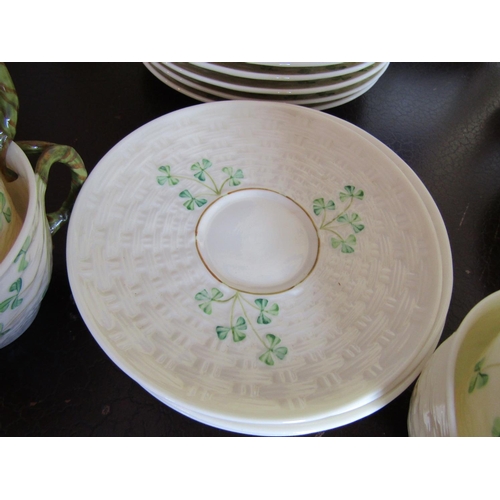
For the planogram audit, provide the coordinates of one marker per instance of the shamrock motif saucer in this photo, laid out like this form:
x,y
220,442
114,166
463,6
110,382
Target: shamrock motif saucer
x,y
261,267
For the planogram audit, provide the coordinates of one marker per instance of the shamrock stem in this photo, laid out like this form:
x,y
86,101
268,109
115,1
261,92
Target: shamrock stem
x,y
227,300
223,184
250,323
215,190
323,226
235,296
250,304
332,231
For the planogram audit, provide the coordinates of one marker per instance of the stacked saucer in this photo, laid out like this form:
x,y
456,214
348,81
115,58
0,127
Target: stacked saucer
x,y
261,267
315,85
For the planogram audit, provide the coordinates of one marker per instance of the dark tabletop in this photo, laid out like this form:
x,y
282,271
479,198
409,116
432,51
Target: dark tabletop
x,y
443,119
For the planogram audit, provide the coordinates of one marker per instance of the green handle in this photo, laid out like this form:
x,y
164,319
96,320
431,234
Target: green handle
x,y
55,153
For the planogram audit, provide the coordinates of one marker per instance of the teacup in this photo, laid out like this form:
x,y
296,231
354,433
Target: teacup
x,y
457,391
26,270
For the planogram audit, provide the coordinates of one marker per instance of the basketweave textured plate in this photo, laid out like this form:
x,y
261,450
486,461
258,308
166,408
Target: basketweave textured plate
x,y
260,265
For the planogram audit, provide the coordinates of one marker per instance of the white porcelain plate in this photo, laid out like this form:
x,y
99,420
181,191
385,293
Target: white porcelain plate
x,y
260,266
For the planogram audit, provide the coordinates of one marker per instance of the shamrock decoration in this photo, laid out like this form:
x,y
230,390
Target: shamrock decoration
x,y
192,201
279,352
263,318
354,220
236,330
199,169
13,301
495,430
207,299
479,379
319,205
2,331
350,192
233,177
167,178
336,224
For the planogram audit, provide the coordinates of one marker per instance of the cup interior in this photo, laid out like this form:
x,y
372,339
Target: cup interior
x,y
478,331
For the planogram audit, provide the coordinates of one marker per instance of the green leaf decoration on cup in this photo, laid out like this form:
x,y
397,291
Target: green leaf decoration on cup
x,y
479,379
2,331
14,300
192,202
207,299
168,177
5,213
22,255
495,430
263,318
273,350
236,330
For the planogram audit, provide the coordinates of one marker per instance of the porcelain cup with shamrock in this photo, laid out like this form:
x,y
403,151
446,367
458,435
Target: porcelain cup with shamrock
x,y
26,269
458,391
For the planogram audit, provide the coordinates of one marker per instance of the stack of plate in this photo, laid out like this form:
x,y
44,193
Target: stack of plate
x,y
315,85
261,267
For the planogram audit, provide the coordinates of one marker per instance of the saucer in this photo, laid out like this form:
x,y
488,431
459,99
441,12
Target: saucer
x,y
261,267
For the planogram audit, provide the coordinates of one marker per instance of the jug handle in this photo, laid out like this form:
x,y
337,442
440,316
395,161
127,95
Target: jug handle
x,y
51,153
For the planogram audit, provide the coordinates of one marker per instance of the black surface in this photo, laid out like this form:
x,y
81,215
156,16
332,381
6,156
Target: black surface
x,y
442,119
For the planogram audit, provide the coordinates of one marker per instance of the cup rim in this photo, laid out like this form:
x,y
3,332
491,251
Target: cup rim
x,y
18,161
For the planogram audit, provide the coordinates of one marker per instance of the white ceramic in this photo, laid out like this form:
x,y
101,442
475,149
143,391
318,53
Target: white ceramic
x,y
302,99
10,222
275,88
208,93
245,70
26,269
457,392
242,341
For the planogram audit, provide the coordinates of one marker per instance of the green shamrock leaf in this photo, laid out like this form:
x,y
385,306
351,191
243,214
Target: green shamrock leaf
x,y
23,264
13,301
2,331
279,352
233,178
495,430
162,179
206,299
274,309
354,220
236,330
199,169
350,192
192,201
346,245
479,379
319,205
6,212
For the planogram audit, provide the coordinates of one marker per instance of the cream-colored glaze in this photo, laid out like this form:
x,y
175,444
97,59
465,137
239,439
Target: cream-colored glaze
x,y
27,192
9,230
357,329
441,404
476,411
257,241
